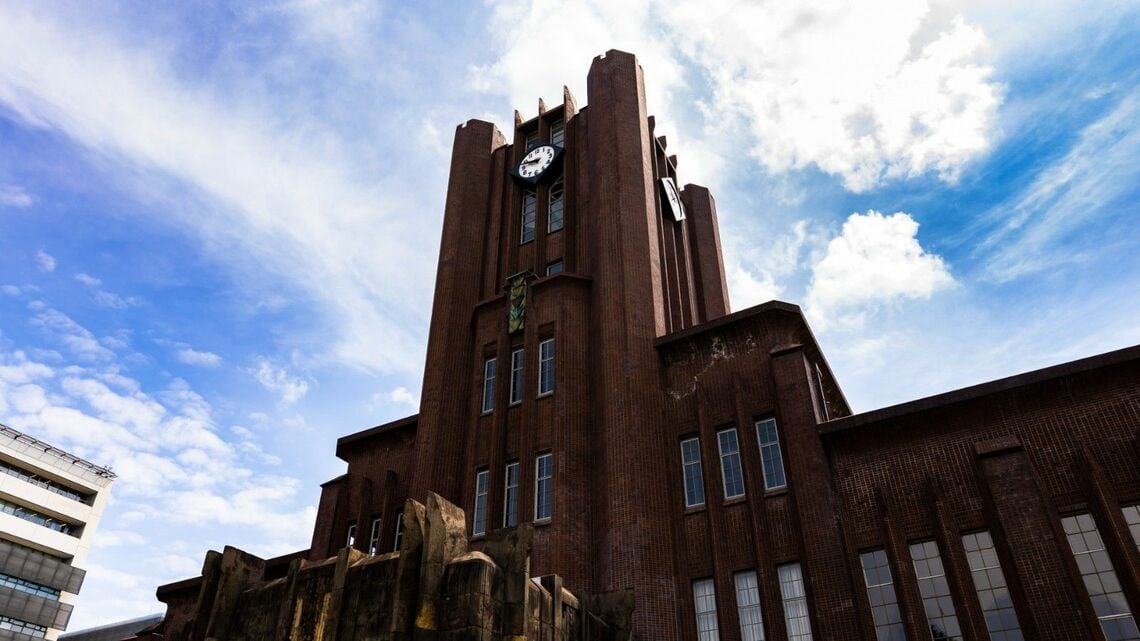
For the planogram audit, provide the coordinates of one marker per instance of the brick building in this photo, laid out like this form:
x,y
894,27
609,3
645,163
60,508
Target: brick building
x,y
584,375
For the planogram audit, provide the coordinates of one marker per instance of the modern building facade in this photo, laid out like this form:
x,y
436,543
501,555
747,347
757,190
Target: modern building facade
x,y
50,505
584,375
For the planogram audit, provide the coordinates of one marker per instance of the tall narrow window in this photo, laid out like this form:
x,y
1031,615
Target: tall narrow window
x,y
489,384
350,537
1100,578
989,582
530,206
691,463
704,602
543,486
511,495
554,268
374,536
531,140
730,472
748,606
881,594
516,376
399,537
935,590
557,133
795,602
1132,517
546,367
479,514
556,209
770,456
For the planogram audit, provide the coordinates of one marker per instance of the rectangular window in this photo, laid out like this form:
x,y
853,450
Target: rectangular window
x,y
23,585
935,591
511,495
557,133
770,456
479,514
795,602
1132,517
556,209
543,486
529,208
704,602
374,536
516,376
691,463
399,537
730,472
350,537
1100,578
989,582
748,606
531,140
546,367
22,627
44,520
489,384
554,268
881,594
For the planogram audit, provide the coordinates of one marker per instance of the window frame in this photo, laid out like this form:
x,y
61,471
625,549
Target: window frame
x,y
350,534
479,509
398,537
374,537
979,546
730,456
779,454
550,271
558,126
490,365
709,634
1084,523
528,215
750,630
539,481
511,494
557,187
517,362
685,466
545,374
935,569
787,599
882,597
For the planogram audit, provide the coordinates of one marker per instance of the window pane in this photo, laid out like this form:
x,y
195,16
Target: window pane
x,y
529,208
479,517
1100,578
555,211
748,606
350,537
935,590
795,602
546,366
557,133
399,531
881,594
511,495
1132,517
488,384
374,536
516,376
730,470
704,601
989,581
554,268
770,455
544,486
691,464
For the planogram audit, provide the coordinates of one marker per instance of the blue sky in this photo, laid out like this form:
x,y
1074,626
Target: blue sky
x,y
219,223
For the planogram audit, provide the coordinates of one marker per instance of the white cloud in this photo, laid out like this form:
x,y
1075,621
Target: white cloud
x,y
88,279
404,396
191,356
13,196
61,327
45,261
290,388
875,260
112,300
263,176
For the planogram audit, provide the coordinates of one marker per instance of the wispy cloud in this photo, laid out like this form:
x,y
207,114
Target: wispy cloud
x,y
289,388
45,261
192,356
14,196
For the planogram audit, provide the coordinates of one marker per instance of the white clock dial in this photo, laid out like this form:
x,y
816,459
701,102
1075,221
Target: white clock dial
x,y
536,161
674,198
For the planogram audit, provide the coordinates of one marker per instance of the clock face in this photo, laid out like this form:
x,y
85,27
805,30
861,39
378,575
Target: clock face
x,y
674,199
537,161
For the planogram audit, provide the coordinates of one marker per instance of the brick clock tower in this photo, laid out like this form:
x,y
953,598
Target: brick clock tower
x,y
581,362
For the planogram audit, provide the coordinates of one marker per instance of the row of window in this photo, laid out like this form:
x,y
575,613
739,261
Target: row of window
x,y
45,483
27,586
32,516
543,494
545,375
557,135
731,468
555,211
22,627
792,594
1097,573
376,531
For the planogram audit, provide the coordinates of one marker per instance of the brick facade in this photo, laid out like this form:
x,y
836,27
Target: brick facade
x,y
647,356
